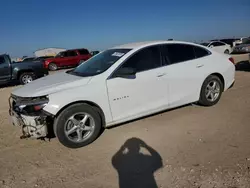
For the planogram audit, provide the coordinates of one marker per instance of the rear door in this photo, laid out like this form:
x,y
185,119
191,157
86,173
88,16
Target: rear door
x,y
69,58
72,58
185,69
5,69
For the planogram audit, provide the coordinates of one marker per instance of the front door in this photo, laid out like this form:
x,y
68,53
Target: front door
x,y
142,94
5,69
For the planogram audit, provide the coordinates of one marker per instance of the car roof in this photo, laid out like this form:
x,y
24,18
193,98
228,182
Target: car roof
x,y
76,49
138,45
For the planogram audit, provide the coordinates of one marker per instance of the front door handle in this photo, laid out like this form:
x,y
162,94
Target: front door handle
x,y
199,66
160,75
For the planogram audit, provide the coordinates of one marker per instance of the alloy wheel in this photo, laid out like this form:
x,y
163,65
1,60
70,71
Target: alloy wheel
x,y
79,127
212,91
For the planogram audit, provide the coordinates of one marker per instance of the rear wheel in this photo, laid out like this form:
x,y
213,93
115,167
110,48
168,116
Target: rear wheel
x,y
53,67
26,77
77,126
211,91
226,52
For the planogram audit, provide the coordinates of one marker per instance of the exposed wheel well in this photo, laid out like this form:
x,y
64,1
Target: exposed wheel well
x,y
92,104
19,73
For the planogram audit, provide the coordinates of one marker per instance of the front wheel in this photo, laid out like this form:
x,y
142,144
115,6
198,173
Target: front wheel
x,y
26,77
53,67
77,126
226,52
211,91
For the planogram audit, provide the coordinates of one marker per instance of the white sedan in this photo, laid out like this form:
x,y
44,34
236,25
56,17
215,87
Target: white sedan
x,y
120,84
219,46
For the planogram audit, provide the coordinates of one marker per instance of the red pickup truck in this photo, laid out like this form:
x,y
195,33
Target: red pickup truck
x,y
69,58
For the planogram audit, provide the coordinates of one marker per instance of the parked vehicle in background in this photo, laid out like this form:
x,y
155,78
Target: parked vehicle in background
x,y
120,84
24,72
218,46
241,40
230,41
29,59
93,53
44,57
242,48
69,58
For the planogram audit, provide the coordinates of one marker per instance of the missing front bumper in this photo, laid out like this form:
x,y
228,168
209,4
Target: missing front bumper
x,y
32,126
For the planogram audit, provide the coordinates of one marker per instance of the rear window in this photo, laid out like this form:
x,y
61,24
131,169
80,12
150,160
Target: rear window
x,y
2,60
83,52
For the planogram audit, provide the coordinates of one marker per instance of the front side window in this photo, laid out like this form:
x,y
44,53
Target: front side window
x,y
61,54
99,63
145,59
205,44
71,54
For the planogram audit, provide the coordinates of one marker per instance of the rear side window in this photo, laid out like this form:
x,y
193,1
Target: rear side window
x,y
83,52
200,52
175,53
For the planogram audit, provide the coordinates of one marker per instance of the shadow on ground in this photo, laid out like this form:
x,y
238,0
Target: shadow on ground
x,y
8,85
136,169
243,66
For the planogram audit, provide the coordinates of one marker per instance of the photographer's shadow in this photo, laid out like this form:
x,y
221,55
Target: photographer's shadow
x,y
134,168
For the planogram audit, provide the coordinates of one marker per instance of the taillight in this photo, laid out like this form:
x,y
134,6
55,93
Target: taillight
x,y
44,64
232,60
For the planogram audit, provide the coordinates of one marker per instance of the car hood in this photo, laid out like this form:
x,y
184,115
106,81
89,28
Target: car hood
x,y
51,84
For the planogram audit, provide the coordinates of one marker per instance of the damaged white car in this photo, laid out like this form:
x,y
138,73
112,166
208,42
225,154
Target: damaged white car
x,y
120,84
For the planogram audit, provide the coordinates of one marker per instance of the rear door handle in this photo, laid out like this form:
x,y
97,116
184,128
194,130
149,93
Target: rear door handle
x,y
160,75
199,66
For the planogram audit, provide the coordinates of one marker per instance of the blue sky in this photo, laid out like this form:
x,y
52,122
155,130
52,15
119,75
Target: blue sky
x,y
28,25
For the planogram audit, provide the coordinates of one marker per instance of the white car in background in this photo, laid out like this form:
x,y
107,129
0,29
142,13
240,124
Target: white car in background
x,y
117,85
219,46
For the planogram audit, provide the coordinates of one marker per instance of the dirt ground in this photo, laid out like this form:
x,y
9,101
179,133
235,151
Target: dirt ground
x,y
191,146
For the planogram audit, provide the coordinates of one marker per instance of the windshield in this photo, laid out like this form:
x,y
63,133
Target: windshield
x,y
99,63
60,54
205,44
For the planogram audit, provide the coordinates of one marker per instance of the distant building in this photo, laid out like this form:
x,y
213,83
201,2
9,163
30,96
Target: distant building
x,y
48,52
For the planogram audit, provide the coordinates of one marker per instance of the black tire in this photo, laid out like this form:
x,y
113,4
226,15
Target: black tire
x,y
59,125
226,52
53,67
26,77
204,101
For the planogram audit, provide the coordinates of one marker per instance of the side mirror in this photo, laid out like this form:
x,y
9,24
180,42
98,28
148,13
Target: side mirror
x,y
211,46
125,72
